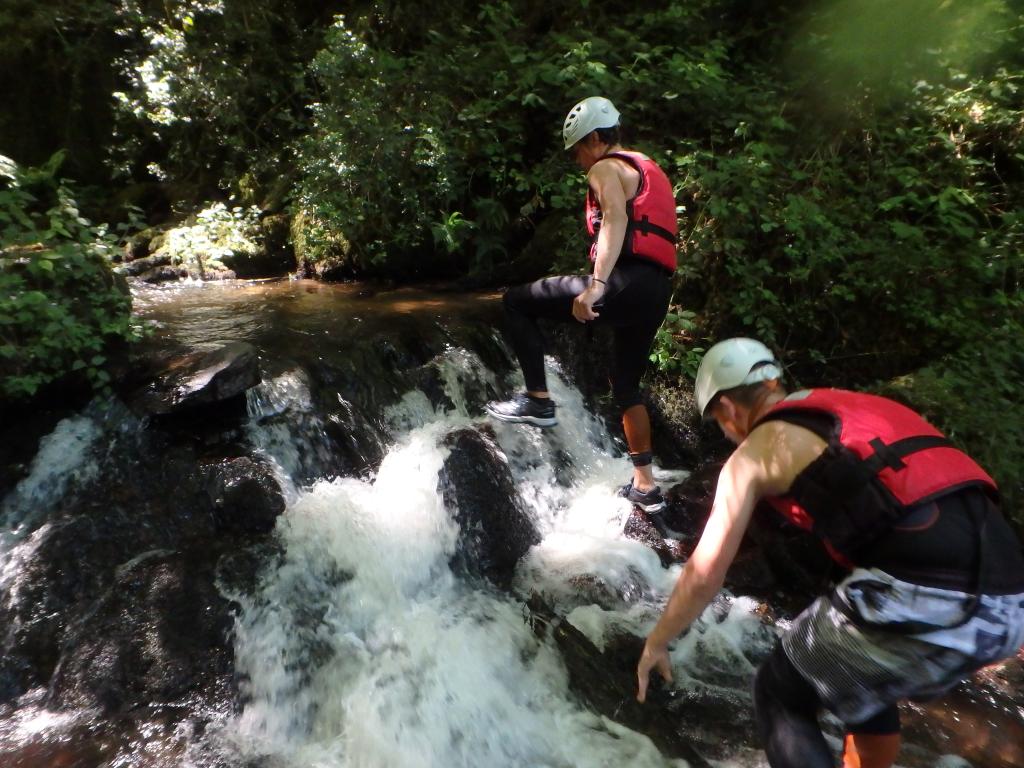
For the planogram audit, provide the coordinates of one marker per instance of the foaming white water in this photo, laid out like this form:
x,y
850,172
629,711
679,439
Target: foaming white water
x,y
363,648
64,460
280,439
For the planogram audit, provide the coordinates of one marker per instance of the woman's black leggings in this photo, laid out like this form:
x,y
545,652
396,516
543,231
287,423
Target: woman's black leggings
x,y
786,709
634,304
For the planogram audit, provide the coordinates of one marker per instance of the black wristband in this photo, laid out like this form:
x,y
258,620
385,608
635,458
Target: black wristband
x,y
598,280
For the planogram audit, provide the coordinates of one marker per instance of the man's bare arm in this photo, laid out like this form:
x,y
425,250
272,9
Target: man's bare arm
x,y
764,464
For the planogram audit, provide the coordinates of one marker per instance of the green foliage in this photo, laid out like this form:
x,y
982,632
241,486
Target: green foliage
x,y
674,350
215,235
418,152
61,308
214,93
974,396
852,182
872,232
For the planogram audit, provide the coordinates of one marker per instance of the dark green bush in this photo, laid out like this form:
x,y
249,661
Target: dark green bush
x,y
974,396
61,307
866,220
440,153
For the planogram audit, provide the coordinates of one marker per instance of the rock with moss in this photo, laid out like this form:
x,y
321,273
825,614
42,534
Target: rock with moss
x,y
218,243
321,251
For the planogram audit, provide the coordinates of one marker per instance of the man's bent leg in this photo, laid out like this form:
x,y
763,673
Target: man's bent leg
x,y
786,711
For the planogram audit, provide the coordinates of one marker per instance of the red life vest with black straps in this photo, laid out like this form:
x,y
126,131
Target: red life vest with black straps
x,y
651,227
881,459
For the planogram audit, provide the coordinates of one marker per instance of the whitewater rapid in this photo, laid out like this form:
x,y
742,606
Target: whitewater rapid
x,y
363,648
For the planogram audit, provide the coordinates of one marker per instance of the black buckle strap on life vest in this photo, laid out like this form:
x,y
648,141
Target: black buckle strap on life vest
x,y
849,506
644,226
891,455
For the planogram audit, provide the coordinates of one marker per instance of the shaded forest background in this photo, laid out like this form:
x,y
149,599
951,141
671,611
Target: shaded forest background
x,y
849,172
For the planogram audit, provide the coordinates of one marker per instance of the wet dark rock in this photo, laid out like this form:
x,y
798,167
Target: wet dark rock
x,y
606,682
495,531
205,270
429,380
140,246
780,562
775,561
589,589
584,352
245,495
21,430
679,438
239,567
68,565
143,262
716,719
640,527
159,634
332,437
163,274
473,384
201,378
155,495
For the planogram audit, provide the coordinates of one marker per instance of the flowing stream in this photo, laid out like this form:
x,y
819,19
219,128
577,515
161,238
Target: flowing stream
x,y
360,644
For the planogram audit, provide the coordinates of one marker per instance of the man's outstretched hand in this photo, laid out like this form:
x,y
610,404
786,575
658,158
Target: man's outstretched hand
x,y
653,657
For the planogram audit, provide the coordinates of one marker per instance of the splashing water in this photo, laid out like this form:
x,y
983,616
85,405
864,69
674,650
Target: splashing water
x,y
63,461
364,649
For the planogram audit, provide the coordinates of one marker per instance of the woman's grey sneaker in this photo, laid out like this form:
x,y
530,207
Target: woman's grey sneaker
x,y
524,409
651,502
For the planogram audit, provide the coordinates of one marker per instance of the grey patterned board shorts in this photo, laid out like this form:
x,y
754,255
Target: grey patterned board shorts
x,y
859,669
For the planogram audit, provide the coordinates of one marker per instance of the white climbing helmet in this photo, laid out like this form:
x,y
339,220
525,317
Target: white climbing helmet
x,y
729,364
590,114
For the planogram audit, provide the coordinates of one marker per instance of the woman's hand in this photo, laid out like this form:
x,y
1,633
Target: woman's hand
x,y
654,657
583,305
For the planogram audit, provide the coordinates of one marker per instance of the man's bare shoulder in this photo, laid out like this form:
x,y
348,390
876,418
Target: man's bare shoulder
x,y
781,450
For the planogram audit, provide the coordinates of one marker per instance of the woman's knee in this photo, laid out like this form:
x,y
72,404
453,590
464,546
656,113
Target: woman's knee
x,y
512,298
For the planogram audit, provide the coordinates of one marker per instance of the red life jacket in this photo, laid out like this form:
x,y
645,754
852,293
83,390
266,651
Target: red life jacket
x,y
651,227
881,459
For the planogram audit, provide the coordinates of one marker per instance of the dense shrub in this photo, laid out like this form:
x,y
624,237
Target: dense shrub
x,y
61,307
213,94
872,234
974,397
867,220
439,153
850,170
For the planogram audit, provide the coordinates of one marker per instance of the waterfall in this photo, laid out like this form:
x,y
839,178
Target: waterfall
x,y
64,460
362,648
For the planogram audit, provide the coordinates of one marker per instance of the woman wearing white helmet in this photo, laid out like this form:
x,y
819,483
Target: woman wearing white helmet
x,y
935,588
630,215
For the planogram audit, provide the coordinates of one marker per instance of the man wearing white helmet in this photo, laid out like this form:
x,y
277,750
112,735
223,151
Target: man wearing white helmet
x,y
630,214
935,584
